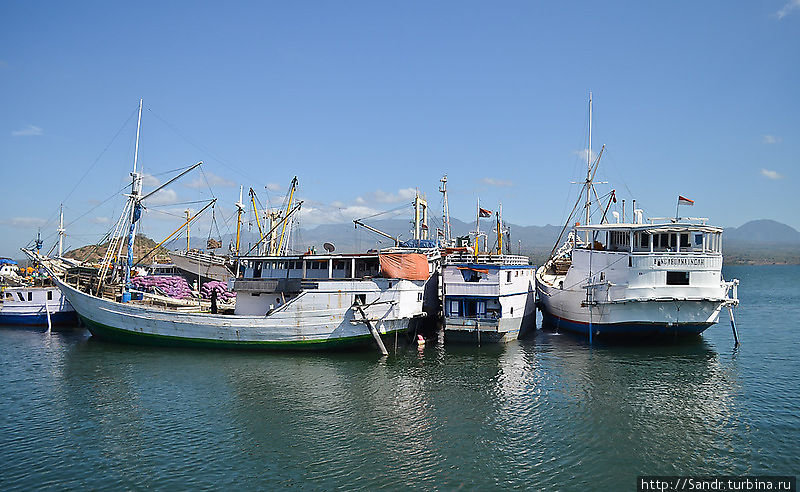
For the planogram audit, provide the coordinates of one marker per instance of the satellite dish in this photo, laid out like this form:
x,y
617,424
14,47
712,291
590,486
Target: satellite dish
x,y
329,247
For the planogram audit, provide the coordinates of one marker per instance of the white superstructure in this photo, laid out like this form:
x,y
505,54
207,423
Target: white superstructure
x,y
487,298
637,279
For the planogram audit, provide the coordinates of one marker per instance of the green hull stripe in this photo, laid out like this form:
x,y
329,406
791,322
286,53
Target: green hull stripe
x,y
109,333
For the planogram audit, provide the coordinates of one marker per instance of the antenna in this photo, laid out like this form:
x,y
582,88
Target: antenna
x,y
329,247
61,230
445,212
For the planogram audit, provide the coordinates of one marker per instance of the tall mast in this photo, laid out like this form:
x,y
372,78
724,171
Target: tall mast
x,y
239,209
61,231
286,219
478,226
589,166
500,230
136,209
188,214
136,149
420,217
445,211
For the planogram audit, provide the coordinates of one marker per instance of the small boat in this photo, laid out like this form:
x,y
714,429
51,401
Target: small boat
x,y
34,300
631,279
487,296
194,263
36,305
9,270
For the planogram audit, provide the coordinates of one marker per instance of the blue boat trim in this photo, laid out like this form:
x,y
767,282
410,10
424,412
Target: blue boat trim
x,y
59,318
630,330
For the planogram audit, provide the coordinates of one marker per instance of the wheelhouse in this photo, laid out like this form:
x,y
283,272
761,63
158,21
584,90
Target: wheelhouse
x,y
651,238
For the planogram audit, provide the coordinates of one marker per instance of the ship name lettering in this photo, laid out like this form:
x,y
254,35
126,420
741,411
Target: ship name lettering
x,y
678,261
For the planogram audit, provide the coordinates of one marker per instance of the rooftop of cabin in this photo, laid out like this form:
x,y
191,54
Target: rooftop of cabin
x,y
682,225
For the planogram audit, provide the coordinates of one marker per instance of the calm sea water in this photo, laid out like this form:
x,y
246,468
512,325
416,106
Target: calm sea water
x,y
550,412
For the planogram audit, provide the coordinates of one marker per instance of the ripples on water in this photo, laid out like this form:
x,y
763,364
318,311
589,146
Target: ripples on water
x,y
548,412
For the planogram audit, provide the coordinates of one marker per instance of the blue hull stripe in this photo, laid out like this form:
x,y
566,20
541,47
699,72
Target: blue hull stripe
x,y
61,318
623,329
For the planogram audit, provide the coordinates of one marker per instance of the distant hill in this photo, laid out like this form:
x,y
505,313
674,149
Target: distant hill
x,y
759,241
94,253
763,231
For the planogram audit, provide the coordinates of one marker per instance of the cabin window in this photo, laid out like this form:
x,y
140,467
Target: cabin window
x,y
257,269
30,296
360,299
470,275
698,239
49,295
684,240
19,294
9,296
677,278
480,308
508,277
664,241
645,240
454,307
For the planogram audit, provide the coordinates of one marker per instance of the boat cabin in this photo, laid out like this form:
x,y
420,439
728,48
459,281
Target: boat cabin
x,y
316,267
650,238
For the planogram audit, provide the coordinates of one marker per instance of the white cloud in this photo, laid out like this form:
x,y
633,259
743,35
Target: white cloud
x,y
771,139
327,214
583,153
786,9
100,220
213,180
24,222
150,180
28,131
771,174
496,182
274,187
380,196
166,196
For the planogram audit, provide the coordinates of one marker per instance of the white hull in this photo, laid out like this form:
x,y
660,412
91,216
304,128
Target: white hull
x,y
568,310
314,318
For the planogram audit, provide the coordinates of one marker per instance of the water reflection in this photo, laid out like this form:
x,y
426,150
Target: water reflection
x,y
530,414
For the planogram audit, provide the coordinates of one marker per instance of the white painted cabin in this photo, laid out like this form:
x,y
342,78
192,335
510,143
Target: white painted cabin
x,y
488,298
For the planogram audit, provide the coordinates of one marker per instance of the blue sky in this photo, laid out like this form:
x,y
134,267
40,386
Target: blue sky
x,y
365,101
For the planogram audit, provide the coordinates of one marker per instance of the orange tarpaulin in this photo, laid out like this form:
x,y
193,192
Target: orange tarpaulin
x,y
410,266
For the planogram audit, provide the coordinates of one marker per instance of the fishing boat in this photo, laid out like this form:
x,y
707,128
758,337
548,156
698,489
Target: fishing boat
x,y
285,301
35,305
488,296
628,278
296,302
34,300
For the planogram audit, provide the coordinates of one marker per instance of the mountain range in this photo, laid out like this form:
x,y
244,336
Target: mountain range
x,y
757,241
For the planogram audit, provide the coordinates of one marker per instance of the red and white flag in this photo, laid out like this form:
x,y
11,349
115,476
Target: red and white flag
x,y
482,212
682,200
